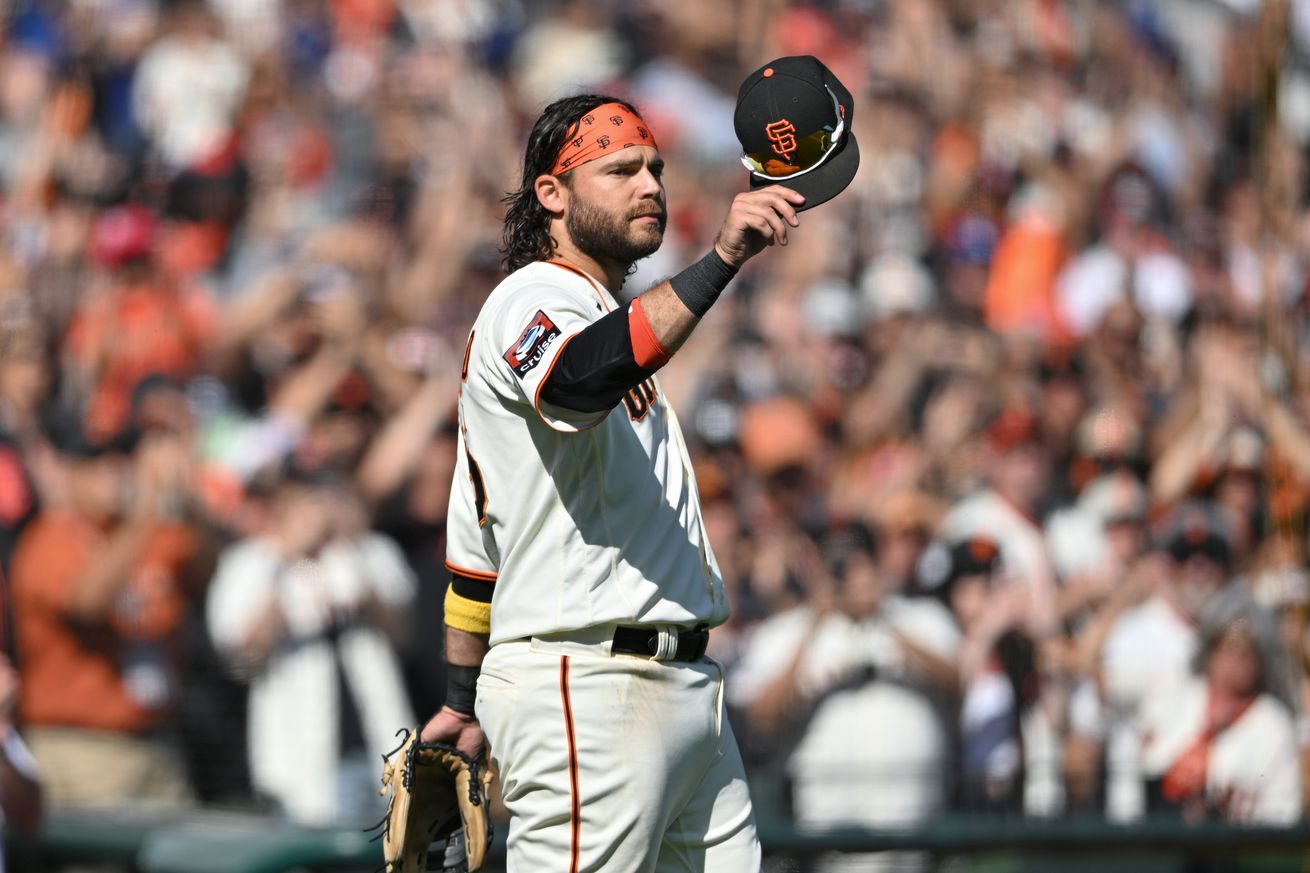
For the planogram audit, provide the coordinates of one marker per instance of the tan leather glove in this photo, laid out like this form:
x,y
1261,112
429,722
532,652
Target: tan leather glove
x,y
436,790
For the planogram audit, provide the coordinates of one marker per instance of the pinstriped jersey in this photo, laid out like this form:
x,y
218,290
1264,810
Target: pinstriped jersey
x,y
580,519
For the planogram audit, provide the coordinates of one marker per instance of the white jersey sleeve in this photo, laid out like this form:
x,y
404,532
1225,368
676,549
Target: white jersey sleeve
x,y
470,548
529,331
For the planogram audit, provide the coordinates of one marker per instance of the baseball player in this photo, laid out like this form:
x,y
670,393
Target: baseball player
x,y
583,585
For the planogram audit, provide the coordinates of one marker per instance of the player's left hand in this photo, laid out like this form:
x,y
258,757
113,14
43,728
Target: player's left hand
x,y
459,730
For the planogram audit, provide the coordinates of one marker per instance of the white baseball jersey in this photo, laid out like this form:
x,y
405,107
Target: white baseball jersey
x,y
582,519
1253,770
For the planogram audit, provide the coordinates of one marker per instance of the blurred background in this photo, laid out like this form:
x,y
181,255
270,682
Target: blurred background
x,y
1006,457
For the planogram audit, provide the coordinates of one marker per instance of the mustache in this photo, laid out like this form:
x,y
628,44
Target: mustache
x,y
658,212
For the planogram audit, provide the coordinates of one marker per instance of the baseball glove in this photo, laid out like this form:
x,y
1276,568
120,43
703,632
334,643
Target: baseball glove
x,y
438,795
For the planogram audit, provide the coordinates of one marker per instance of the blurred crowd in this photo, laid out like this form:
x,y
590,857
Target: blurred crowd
x,y
1006,457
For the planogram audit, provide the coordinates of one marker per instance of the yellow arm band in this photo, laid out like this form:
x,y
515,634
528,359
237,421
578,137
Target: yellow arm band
x,y
470,616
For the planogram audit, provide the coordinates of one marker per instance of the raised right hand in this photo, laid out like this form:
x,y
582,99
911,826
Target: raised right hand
x,y
757,219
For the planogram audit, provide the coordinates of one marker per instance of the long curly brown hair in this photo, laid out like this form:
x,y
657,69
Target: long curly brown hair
x,y
526,236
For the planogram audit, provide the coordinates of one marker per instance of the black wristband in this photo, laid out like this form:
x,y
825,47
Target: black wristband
x,y
700,285
462,688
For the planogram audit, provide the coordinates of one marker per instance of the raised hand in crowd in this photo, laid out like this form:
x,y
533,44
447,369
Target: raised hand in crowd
x,y
1229,391
1008,608
164,478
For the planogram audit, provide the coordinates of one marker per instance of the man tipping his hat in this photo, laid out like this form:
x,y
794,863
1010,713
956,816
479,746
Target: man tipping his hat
x,y
583,586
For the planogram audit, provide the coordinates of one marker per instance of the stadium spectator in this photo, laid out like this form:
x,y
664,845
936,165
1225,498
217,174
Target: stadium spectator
x,y
309,612
188,86
1098,544
1216,745
1008,513
1145,636
996,669
100,588
140,324
858,678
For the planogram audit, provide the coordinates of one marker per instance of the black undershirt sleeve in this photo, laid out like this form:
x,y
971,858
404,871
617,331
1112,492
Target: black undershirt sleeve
x,y
596,368
478,590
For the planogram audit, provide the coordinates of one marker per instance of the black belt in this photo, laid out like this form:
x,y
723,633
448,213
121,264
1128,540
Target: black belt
x,y
645,641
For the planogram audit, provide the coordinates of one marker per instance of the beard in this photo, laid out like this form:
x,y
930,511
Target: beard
x,y
605,236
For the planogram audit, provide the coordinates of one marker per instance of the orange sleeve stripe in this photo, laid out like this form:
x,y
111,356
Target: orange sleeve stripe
x,y
646,348
472,574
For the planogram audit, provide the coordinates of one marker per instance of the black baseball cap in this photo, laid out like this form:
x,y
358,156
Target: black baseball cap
x,y
793,120
943,564
1197,527
71,439
977,556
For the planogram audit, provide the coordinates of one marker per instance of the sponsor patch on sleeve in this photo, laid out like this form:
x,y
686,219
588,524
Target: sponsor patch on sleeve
x,y
531,345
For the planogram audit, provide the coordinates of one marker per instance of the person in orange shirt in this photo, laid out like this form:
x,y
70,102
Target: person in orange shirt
x,y
1027,260
142,324
98,604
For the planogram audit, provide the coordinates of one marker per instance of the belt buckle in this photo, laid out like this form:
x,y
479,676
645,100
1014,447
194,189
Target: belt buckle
x,y
664,641
668,642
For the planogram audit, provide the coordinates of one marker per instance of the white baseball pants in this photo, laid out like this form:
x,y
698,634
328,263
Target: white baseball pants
x,y
615,763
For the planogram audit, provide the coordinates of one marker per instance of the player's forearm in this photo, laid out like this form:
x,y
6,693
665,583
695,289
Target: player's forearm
x,y
618,352
670,320
468,628
464,649
464,654
672,309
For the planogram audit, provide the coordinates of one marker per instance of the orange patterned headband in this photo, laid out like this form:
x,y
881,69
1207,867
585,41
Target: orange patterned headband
x,y
602,131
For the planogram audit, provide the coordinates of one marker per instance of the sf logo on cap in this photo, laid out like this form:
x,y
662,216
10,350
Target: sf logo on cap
x,y
782,133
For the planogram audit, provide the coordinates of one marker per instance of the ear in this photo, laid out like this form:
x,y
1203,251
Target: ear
x,y
551,193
